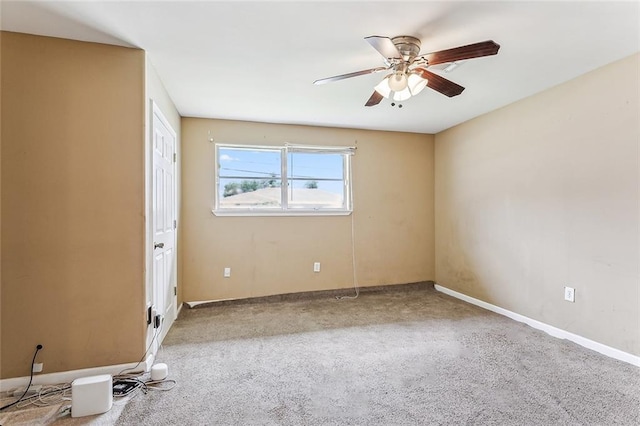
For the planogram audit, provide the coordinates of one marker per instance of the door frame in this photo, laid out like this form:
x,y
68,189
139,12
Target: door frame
x,y
153,341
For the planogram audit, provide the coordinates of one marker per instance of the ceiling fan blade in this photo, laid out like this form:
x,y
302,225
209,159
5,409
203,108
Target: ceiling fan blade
x,y
374,99
476,50
351,74
440,84
385,46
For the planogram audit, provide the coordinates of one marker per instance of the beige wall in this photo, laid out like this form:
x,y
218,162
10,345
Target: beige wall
x,y
543,194
393,220
157,92
0,191
72,203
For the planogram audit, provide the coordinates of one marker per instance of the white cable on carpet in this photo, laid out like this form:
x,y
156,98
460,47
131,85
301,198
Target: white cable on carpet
x,y
48,395
353,259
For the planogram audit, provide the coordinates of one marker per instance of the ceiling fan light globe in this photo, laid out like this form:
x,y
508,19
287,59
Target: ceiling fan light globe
x,y
398,81
383,87
402,95
416,83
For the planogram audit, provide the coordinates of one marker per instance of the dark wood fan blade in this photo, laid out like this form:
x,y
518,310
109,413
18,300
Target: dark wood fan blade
x,y
351,74
440,84
476,50
374,99
385,46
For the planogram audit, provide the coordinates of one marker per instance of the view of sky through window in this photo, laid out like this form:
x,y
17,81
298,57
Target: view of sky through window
x,y
303,169
252,177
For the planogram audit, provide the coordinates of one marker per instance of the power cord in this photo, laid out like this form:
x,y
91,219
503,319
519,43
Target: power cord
x,y
161,385
130,384
353,262
155,335
48,395
55,394
33,361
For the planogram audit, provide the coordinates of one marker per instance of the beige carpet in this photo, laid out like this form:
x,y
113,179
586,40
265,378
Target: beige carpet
x,y
405,356
412,356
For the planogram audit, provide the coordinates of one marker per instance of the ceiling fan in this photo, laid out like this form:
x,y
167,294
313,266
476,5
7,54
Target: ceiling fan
x,y
409,74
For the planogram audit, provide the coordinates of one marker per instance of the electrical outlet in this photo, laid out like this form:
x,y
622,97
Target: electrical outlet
x,y
37,367
570,294
227,272
316,267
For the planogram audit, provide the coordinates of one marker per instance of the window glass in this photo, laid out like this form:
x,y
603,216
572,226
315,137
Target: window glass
x,y
249,178
316,180
276,180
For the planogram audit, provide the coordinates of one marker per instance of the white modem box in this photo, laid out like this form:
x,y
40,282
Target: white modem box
x,y
91,395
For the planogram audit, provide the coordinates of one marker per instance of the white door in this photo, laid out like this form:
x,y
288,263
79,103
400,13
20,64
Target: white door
x,y
164,225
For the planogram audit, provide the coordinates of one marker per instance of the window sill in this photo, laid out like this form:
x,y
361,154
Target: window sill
x,y
249,213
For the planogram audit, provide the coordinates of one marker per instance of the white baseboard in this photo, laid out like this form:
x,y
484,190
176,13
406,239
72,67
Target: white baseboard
x,y
69,376
549,329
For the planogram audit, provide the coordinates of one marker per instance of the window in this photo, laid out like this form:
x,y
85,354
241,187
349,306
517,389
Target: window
x,y
293,179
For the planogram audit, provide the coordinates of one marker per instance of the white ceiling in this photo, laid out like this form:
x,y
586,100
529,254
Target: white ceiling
x,y
257,60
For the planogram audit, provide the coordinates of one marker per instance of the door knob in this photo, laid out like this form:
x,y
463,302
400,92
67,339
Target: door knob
x,y
158,245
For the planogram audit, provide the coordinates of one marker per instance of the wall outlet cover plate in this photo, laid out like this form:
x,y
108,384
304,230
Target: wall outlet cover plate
x,y
569,294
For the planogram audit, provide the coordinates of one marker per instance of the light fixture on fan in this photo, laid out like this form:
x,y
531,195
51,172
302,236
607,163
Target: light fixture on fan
x,y
398,81
400,86
409,73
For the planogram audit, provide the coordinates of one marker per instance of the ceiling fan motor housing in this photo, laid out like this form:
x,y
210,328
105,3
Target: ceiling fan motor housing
x,y
408,46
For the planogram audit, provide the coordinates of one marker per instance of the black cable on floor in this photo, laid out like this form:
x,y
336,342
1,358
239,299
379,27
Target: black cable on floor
x,y
33,361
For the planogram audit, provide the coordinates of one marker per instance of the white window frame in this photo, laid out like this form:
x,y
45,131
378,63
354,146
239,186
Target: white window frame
x,y
284,209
